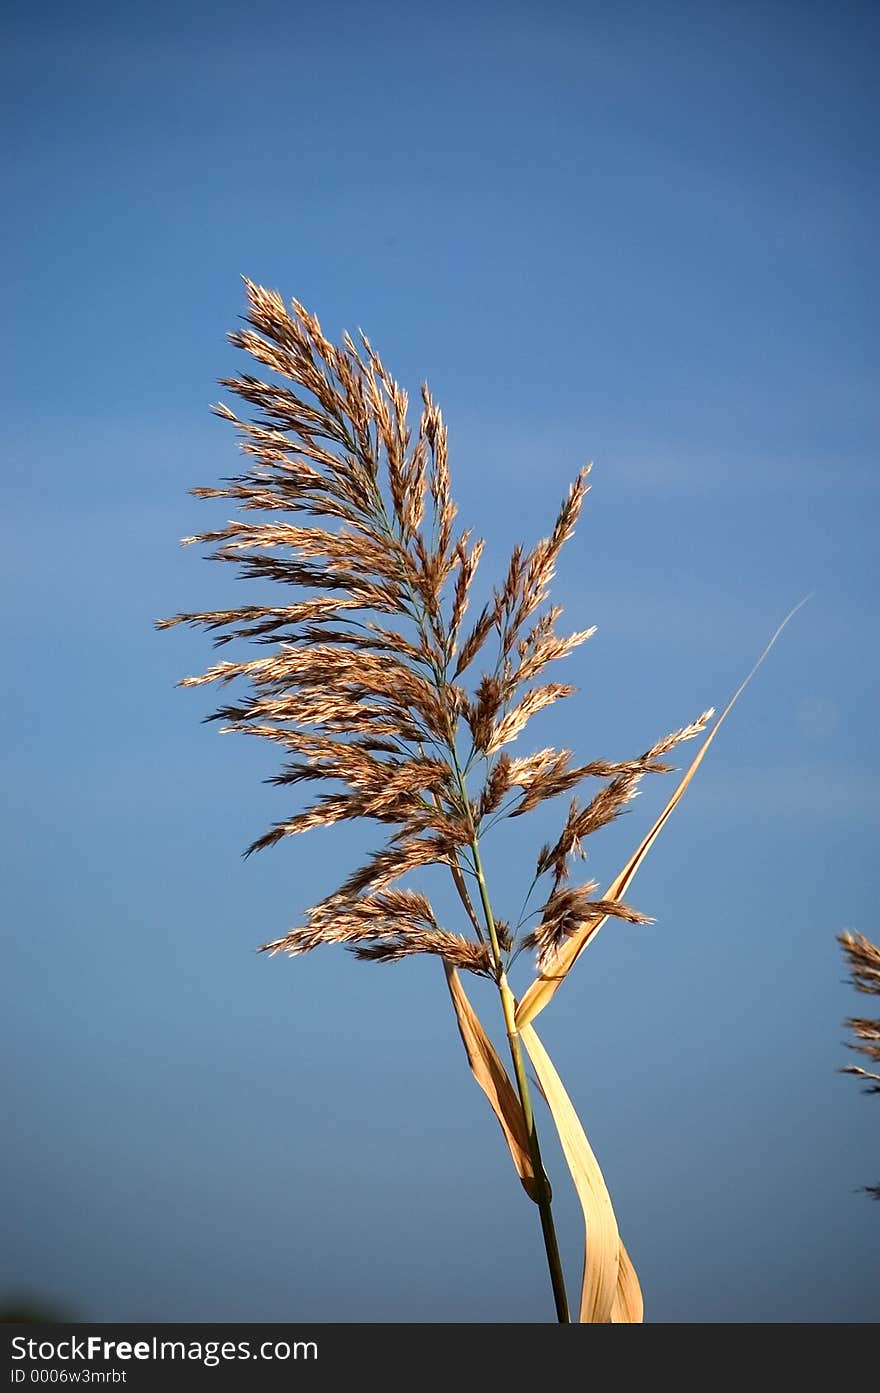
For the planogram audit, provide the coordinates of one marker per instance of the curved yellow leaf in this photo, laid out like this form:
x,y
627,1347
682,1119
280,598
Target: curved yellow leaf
x,y
628,1308
554,974
602,1252
493,1079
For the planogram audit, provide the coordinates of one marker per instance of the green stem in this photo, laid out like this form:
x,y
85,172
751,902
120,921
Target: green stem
x,y
542,1189
508,1004
543,1197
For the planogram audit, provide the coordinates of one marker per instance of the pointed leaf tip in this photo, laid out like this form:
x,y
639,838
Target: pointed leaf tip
x,y
544,987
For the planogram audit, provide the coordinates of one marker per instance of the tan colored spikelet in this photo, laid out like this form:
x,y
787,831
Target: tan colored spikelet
x,y
561,914
254,621
559,778
526,769
607,805
454,949
610,801
468,560
481,712
395,917
528,578
510,725
475,639
497,785
434,431
549,648
863,959
504,934
568,911
392,863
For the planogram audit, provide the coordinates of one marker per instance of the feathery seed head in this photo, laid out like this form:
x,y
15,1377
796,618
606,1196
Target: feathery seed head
x,y
362,664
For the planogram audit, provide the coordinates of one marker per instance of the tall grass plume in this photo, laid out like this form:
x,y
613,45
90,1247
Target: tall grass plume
x,y
391,698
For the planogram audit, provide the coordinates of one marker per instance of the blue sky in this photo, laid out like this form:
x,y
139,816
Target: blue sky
x,y
643,235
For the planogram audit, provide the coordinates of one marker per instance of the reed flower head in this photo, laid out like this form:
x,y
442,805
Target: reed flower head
x,y
367,675
392,700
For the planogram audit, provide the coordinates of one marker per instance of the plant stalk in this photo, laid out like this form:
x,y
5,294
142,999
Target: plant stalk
x,y
542,1189
508,1003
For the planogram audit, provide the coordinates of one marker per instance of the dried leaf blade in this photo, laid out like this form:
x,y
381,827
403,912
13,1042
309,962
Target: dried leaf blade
x,y
544,987
599,1290
494,1080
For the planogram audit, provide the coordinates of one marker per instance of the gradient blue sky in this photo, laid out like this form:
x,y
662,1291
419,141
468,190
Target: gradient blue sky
x,y
642,234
